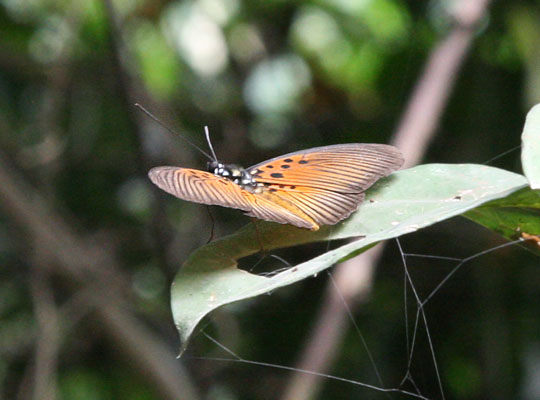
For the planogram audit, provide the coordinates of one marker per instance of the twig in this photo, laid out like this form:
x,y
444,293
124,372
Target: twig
x,y
415,131
39,382
48,338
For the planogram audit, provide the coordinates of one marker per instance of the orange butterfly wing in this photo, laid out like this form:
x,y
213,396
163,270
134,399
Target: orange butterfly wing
x,y
309,188
207,188
343,167
326,183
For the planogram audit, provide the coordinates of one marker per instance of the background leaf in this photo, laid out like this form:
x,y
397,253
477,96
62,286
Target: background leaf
x,y
530,156
514,217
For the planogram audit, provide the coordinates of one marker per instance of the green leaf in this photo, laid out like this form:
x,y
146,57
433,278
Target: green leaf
x,y
402,203
530,155
514,217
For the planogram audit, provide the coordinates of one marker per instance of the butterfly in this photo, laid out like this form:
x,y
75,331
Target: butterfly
x,y
307,188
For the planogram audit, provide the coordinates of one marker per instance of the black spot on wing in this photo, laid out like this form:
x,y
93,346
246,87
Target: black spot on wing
x,y
276,175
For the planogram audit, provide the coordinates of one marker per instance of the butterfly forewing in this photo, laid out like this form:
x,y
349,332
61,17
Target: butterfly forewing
x,y
206,188
199,187
346,168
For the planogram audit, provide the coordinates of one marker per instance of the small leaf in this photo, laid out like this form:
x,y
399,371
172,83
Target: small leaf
x,y
530,155
514,217
404,202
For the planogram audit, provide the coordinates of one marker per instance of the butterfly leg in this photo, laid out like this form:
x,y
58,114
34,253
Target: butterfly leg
x,y
259,236
261,247
213,225
264,252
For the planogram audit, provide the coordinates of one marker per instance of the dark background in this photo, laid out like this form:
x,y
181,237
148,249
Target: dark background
x,y
88,248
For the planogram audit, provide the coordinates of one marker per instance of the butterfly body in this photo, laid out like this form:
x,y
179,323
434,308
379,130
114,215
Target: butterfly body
x,y
234,173
308,188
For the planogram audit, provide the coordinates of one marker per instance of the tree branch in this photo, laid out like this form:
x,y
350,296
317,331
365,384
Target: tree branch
x,y
417,127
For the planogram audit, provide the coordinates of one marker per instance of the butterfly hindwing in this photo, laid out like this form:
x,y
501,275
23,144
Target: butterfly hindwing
x,y
324,207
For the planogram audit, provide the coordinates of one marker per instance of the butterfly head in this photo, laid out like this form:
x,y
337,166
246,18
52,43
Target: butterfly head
x,y
233,173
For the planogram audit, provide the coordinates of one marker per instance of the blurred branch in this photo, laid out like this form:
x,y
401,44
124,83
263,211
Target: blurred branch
x,y
132,90
418,125
430,96
44,383
45,156
39,382
85,263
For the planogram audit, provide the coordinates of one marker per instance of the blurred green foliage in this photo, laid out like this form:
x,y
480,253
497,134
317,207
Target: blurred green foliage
x,y
267,77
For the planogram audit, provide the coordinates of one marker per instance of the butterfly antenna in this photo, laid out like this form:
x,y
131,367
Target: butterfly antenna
x,y
148,113
207,133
